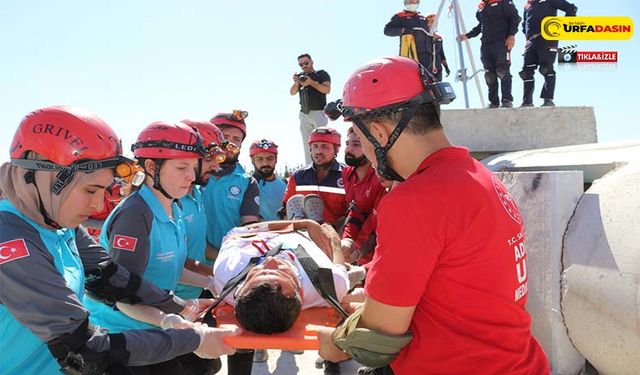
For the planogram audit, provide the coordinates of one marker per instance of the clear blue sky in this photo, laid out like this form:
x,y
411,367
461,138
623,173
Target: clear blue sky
x,y
134,62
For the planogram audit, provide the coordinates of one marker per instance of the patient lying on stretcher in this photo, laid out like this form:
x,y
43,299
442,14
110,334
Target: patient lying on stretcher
x,y
277,288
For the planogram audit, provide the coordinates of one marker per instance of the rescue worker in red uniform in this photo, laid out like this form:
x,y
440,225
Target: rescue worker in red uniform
x,y
322,177
363,190
446,290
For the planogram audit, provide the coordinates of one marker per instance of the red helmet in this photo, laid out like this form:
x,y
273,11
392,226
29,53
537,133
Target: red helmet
x,y
234,119
325,134
210,133
69,139
168,140
112,196
388,83
263,145
65,135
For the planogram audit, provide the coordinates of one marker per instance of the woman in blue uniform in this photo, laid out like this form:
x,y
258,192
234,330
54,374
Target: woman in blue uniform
x,y
194,215
146,232
62,160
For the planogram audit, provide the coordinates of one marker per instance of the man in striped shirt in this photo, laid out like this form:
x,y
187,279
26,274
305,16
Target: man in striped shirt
x,y
323,177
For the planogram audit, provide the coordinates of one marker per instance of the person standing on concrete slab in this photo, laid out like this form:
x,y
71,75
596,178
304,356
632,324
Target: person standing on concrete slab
x,y
539,52
438,58
413,29
312,87
498,23
447,286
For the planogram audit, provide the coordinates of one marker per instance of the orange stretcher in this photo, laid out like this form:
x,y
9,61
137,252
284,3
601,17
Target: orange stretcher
x,y
303,335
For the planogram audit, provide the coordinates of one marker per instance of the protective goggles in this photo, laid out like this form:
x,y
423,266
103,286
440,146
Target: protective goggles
x,y
123,167
221,152
130,173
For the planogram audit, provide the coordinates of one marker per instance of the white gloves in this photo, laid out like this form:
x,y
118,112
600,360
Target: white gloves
x,y
212,341
174,321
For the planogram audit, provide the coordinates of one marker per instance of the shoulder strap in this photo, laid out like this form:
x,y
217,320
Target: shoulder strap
x,y
237,279
321,278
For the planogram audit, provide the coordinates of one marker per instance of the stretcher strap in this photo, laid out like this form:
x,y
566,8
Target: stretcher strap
x,y
321,278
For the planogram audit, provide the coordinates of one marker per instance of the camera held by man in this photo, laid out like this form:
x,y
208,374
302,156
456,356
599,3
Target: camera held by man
x,y
312,86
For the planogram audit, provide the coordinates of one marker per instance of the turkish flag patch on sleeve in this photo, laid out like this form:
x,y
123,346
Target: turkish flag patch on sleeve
x,y
124,242
12,250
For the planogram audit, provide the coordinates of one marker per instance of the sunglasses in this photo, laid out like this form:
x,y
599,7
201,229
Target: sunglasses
x,y
305,63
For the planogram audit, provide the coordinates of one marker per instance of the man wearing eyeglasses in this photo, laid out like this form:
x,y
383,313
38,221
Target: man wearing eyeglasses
x,y
313,87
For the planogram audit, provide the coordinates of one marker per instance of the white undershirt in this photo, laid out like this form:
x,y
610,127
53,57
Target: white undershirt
x,y
240,245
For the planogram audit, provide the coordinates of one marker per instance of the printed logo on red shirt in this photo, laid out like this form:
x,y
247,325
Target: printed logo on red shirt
x,y
124,243
12,250
507,200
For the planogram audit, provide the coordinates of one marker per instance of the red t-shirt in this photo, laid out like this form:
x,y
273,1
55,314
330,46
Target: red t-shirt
x,y
451,243
361,196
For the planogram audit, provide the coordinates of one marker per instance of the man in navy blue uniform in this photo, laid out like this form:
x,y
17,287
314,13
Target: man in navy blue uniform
x,y
413,30
539,52
498,23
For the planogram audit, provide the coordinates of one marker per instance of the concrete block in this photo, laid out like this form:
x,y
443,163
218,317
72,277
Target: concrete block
x,y
514,129
601,281
547,201
594,160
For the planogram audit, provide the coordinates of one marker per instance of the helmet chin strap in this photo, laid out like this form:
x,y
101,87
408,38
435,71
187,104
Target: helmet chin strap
x,y
383,167
30,178
156,179
199,180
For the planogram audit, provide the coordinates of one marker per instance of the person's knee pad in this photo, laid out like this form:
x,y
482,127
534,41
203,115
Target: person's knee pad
x,y
490,77
526,74
546,70
503,72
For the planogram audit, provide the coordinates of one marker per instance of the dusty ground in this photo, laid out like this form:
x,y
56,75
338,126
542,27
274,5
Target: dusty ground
x,y
286,363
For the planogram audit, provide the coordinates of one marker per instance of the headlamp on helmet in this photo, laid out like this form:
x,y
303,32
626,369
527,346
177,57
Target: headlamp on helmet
x,y
386,85
234,119
263,145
